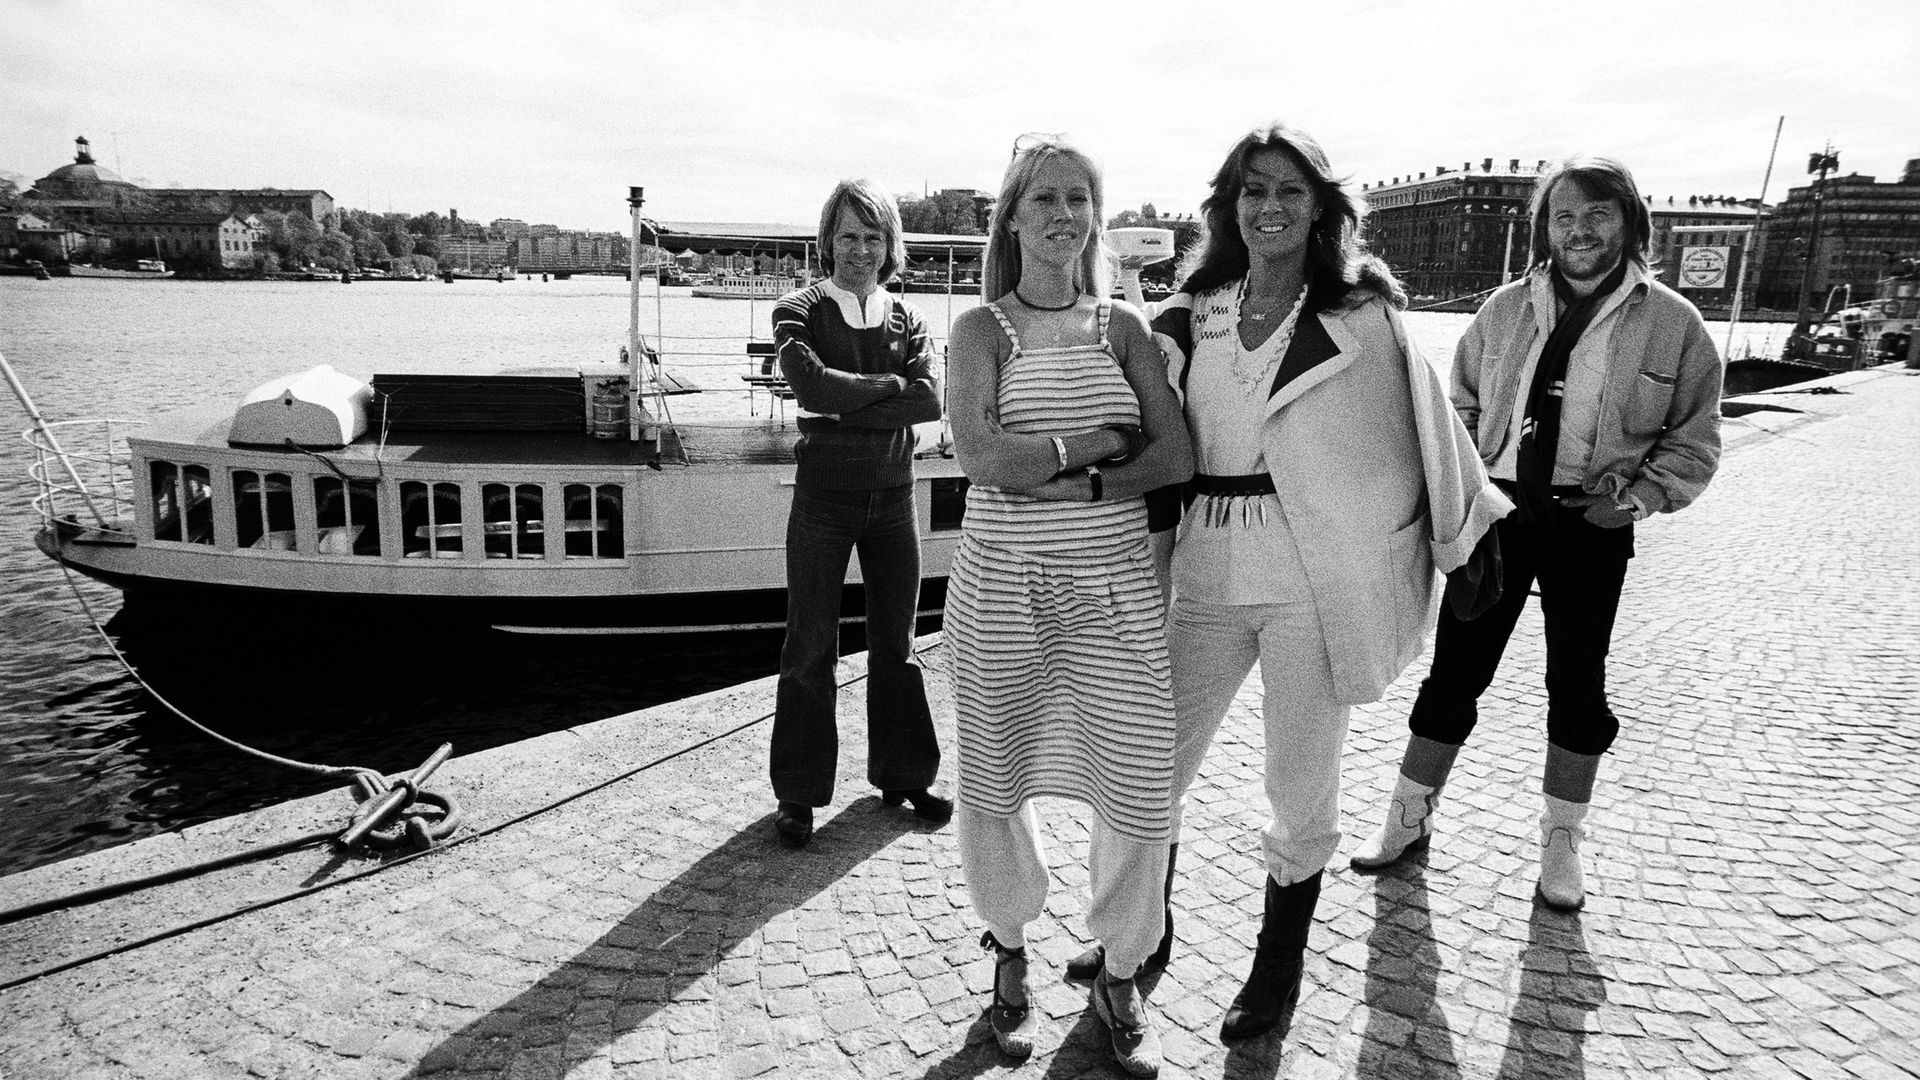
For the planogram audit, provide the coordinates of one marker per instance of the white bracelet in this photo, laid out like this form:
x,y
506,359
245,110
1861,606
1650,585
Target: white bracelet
x,y
1060,451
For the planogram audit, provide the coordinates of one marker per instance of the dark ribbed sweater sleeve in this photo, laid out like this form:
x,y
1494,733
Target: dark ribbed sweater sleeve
x,y
919,402
818,387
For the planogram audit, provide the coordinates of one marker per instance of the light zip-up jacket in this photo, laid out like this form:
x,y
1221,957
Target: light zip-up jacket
x,y
1377,477
1657,437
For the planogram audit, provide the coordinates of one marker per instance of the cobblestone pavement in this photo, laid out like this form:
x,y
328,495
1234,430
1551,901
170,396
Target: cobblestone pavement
x,y
1753,861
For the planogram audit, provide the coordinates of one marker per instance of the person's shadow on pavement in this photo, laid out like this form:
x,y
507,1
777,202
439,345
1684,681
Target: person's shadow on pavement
x,y
679,935
1560,987
1407,1035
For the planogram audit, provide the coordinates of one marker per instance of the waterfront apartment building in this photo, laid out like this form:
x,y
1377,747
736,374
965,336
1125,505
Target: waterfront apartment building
x,y
1864,226
465,254
568,250
1456,233
507,228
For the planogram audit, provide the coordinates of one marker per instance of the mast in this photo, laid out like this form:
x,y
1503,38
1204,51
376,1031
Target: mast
x,y
640,426
1753,240
1821,163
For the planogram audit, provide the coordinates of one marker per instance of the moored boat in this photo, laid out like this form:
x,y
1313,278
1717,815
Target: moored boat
x,y
541,500
142,268
751,286
1878,331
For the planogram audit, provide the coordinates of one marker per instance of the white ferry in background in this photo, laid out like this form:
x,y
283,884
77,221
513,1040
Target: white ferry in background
x,y
539,501
142,268
751,286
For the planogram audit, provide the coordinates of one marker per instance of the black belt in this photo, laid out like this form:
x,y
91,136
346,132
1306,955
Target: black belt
x,y
1251,484
1557,492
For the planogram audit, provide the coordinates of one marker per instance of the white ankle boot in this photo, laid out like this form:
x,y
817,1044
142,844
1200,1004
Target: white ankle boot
x,y
1408,826
1562,885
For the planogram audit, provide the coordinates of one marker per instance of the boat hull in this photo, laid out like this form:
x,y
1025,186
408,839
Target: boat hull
x,y
156,601
106,272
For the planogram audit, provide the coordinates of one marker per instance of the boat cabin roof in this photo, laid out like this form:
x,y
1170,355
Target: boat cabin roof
x,y
747,443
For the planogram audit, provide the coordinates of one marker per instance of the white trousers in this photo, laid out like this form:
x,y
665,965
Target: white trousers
x,y
1004,859
1213,647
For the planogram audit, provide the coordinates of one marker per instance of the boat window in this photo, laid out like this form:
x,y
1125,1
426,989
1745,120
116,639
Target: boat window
x,y
430,520
513,520
347,513
949,502
169,480
595,524
263,510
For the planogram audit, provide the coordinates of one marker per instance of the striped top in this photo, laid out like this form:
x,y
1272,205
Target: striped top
x,y
862,372
1061,681
1062,391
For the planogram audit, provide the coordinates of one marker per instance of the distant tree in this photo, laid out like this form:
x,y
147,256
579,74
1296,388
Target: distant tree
x,y
293,237
399,242
427,246
10,193
427,224
944,212
368,250
334,250
266,262
357,224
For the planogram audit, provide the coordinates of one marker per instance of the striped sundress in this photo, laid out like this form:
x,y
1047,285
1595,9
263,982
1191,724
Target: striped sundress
x,y
1055,620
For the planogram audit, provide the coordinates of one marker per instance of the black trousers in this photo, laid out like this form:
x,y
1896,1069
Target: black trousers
x,y
1580,568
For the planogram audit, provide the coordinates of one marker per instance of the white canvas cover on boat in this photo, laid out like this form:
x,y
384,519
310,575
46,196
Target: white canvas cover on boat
x,y
318,407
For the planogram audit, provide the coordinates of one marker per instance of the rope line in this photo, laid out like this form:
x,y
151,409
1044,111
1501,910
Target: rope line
x,y
348,773
105,892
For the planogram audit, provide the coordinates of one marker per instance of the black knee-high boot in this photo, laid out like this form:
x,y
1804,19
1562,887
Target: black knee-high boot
x,y
1273,986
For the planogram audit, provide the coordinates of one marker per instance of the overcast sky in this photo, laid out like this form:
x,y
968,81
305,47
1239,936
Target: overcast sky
x,y
749,111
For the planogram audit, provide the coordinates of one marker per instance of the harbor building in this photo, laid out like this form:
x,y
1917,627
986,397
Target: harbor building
x,y
1863,227
86,193
79,192
1455,233
1700,245
204,237
317,205
468,254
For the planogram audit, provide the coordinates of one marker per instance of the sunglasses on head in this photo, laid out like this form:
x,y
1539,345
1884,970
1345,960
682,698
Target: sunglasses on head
x,y
1037,140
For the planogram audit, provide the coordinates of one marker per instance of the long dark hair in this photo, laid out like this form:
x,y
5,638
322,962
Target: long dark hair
x,y
1337,260
1600,178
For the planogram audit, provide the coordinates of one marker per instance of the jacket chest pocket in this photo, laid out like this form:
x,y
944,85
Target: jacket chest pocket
x,y
1648,404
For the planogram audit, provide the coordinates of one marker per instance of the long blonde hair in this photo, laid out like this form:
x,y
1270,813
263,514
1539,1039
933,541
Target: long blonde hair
x,y
1002,271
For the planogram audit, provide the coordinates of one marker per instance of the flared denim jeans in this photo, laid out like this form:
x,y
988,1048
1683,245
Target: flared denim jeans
x,y
824,529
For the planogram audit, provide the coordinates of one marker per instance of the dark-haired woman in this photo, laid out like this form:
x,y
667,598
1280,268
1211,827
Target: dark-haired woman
x,y
1332,481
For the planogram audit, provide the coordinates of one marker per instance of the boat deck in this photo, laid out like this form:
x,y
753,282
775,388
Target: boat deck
x,y
748,442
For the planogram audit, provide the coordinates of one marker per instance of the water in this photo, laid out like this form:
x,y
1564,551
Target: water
x,y
88,760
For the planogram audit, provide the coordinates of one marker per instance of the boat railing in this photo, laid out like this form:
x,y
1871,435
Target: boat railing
x,y
86,471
